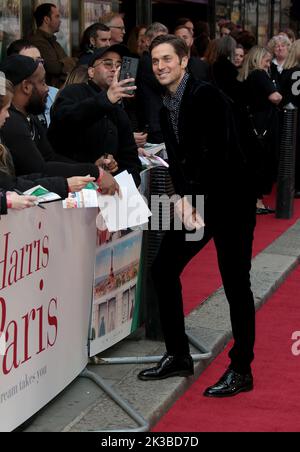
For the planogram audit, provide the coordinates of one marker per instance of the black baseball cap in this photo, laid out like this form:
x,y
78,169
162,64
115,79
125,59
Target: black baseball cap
x,y
117,48
18,68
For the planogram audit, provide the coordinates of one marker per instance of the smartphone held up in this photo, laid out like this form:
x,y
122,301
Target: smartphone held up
x,y
129,70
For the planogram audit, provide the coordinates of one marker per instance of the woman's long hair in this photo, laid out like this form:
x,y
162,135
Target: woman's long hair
x,y
253,61
6,162
226,48
294,56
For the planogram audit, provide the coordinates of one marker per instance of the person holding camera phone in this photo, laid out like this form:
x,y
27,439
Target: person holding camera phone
x,y
88,123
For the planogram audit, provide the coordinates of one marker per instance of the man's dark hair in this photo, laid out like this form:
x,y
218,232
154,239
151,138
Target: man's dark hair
x,y
182,21
180,27
43,11
178,44
91,32
16,46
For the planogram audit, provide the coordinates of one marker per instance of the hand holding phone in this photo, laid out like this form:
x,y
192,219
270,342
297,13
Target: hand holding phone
x,y
119,89
129,71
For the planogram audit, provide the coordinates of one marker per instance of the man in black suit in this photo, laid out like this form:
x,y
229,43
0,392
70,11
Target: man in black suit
x,y
205,159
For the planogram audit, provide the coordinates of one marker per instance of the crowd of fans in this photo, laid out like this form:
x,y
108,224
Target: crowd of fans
x,y
66,121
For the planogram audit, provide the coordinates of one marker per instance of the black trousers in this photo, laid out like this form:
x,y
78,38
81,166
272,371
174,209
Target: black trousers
x,y
230,220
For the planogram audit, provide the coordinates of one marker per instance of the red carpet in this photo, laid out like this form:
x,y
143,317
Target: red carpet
x,y
201,277
274,405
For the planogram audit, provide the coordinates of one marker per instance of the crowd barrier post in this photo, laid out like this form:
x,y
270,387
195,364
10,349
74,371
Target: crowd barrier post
x,y
287,163
159,183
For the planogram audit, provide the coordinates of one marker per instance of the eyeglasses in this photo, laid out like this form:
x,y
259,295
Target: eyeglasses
x,y
119,28
109,64
40,60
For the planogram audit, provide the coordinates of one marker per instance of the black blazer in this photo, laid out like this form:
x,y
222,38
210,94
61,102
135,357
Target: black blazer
x,y
208,157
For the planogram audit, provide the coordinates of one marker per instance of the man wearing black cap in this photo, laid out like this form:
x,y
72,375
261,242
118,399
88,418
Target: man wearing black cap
x,y
87,120
23,133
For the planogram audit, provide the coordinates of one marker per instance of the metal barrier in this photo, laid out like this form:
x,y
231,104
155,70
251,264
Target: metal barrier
x,y
159,183
287,163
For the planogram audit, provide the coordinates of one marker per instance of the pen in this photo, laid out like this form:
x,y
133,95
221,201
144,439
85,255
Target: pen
x,y
22,194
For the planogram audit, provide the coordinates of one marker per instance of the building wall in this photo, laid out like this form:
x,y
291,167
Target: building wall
x,y
262,17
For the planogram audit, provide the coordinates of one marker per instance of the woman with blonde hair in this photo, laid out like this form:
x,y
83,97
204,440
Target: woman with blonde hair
x,y
290,76
261,98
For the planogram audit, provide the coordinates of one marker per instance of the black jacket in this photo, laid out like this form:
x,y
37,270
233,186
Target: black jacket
x,y
85,125
26,139
199,69
224,75
149,100
3,205
57,185
208,157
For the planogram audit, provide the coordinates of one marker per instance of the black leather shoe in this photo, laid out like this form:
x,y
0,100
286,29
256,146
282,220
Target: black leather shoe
x,y
270,210
262,211
230,384
169,366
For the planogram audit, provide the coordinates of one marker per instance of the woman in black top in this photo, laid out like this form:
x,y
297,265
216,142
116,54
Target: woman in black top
x,y
261,98
224,72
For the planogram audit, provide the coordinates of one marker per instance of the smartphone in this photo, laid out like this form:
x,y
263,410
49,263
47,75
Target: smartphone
x,y
129,70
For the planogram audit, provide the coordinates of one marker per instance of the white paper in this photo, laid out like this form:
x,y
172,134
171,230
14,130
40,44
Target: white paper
x,y
154,148
82,199
42,194
153,161
126,211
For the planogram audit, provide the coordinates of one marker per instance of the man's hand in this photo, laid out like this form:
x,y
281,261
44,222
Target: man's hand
x,y
108,185
140,139
77,183
188,215
108,163
118,90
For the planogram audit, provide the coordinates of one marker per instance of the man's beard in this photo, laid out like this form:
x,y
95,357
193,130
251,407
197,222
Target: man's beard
x,y
36,104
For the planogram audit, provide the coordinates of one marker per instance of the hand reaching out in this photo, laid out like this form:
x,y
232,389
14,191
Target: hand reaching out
x,y
20,202
77,183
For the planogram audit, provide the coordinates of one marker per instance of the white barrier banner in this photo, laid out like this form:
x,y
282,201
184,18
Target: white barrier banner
x,y
116,298
46,278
